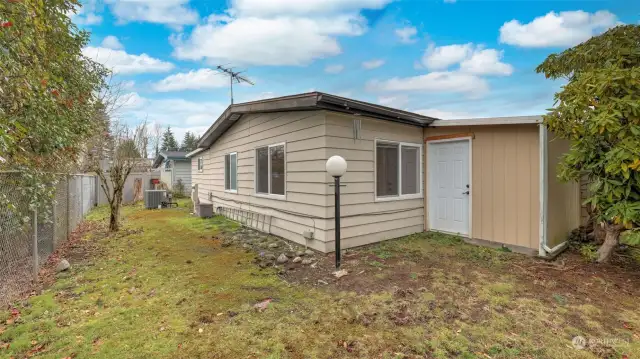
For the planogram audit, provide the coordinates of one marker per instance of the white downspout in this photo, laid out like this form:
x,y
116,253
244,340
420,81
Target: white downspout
x,y
543,191
545,250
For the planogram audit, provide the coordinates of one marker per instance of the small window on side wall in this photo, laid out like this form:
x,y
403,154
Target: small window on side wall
x,y
270,170
200,164
398,170
231,172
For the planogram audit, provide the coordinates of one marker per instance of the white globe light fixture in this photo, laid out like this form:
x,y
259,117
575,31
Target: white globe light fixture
x,y
337,167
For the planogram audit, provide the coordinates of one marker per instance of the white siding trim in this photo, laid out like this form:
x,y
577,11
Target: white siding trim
x,y
255,172
400,196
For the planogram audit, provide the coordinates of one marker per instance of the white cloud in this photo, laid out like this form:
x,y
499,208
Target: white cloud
x,y
173,111
441,57
407,34
562,29
443,115
334,69
373,64
274,41
474,59
120,62
264,8
86,15
486,62
446,81
193,80
112,42
169,12
397,101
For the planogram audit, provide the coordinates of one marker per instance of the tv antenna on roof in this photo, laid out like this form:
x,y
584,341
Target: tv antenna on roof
x,y
234,77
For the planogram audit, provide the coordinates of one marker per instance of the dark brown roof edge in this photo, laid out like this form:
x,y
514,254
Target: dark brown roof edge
x,y
309,101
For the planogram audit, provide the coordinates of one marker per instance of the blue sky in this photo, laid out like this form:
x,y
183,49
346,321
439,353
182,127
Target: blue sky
x,y
447,59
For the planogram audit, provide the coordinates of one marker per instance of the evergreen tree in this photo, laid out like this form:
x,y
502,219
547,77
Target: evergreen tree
x,y
169,142
189,143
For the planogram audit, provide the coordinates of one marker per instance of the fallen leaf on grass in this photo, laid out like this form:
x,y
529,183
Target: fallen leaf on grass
x,y
4,345
262,305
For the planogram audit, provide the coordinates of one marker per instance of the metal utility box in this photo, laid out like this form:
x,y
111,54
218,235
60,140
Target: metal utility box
x,y
205,210
153,198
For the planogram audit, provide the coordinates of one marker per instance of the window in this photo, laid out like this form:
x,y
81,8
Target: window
x,y
200,164
398,170
231,172
270,170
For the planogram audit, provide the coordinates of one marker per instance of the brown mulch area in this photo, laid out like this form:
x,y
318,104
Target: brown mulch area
x,y
569,273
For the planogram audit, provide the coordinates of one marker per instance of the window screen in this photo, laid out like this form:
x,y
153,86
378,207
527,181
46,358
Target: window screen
x,y
277,169
386,169
262,170
233,171
410,170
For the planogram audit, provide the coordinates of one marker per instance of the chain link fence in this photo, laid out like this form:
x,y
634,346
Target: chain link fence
x,y
29,235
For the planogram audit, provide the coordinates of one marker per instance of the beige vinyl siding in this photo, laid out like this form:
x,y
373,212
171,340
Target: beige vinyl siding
x,y
563,199
363,220
305,185
504,182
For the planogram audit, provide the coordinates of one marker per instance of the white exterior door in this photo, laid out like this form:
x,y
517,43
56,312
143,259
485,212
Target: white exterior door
x,y
449,186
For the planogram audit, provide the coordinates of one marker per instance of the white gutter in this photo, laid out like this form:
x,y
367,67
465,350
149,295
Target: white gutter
x,y
194,152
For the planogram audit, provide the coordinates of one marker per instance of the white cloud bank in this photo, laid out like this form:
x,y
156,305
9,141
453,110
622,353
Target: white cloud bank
x,y
201,79
112,42
120,62
562,29
173,13
407,34
473,59
280,32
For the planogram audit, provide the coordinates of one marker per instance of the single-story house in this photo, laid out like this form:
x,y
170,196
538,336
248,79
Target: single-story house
x,y
489,180
175,170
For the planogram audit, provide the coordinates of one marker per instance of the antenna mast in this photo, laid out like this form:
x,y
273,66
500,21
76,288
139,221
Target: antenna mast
x,y
234,76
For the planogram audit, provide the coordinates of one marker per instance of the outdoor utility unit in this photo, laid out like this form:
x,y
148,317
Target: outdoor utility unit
x,y
154,198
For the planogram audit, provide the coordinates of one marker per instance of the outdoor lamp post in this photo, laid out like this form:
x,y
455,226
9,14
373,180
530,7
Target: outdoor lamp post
x,y
337,166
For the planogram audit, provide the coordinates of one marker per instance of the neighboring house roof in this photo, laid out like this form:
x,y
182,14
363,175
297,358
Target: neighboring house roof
x,y
518,120
169,155
307,102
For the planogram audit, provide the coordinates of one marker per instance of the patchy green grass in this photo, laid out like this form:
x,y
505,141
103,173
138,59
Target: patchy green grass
x,y
165,287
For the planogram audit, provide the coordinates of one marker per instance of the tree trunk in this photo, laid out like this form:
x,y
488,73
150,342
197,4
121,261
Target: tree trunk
x,y
611,240
114,225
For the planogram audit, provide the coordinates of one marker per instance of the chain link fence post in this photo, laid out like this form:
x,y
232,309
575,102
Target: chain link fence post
x,y
35,243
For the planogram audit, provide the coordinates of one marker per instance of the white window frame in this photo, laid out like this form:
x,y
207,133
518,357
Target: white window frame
x,y
399,196
225,172
200,164
255,177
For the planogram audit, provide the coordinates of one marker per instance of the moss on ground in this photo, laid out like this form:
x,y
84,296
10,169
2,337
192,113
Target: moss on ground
x,y
166,288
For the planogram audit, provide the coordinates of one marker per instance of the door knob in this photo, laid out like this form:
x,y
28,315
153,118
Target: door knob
x,y
465,192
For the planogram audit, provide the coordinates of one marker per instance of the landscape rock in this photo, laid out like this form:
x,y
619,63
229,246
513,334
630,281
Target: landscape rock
x,y
270,256
297,260
282,259
63,266
307,261
273,245
309,252
290,254
300,254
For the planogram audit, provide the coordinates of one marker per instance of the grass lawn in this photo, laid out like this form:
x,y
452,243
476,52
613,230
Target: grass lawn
x,y
167,286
